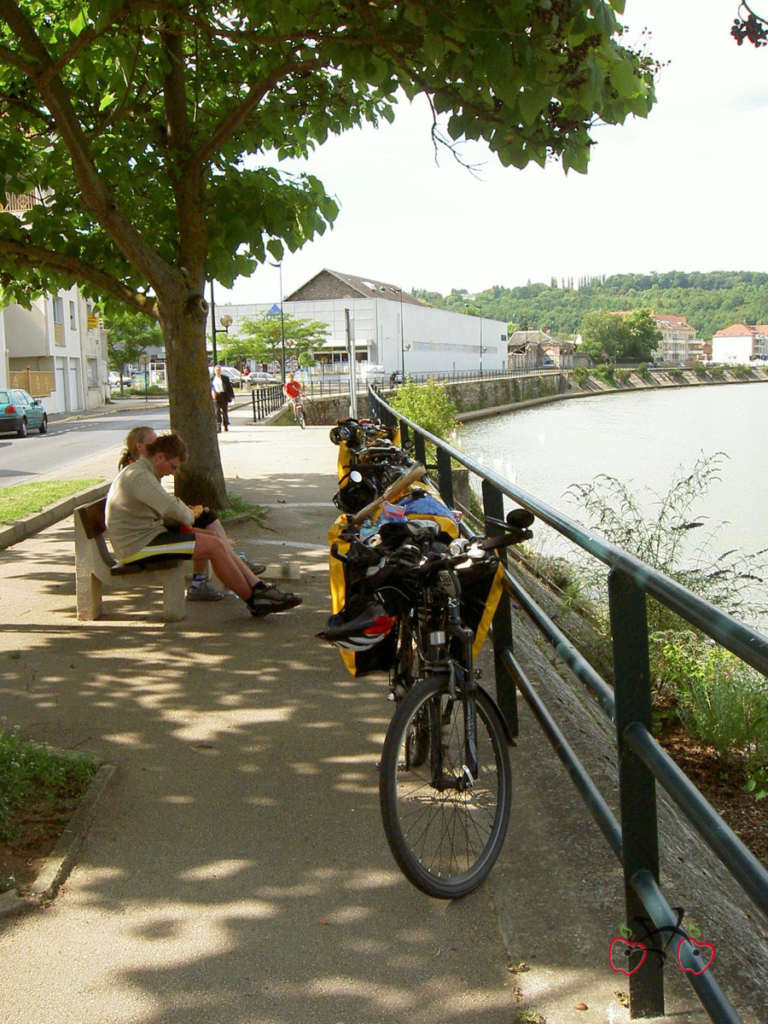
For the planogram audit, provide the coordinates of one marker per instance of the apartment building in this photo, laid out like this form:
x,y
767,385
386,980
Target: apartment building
x,y
56,349
679,344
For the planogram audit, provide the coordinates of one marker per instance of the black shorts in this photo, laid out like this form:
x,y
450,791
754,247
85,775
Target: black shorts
x,y
178,542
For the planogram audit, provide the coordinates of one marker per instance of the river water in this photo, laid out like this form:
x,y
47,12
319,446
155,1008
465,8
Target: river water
x,y
644,438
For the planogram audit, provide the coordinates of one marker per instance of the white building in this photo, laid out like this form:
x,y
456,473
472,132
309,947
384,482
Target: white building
x,y
678,343
739,343
389,327
50,350
55,349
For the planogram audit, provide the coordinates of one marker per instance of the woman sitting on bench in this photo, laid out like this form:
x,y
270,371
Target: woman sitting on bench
x,y
145,521
136,441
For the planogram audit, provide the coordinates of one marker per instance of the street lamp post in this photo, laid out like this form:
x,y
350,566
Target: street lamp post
x,y
402,338
282,319
144,360
225,322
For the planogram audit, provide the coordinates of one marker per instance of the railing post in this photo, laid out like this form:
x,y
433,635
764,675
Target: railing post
x,y
404,434
444,478
637,788
420,448
506,692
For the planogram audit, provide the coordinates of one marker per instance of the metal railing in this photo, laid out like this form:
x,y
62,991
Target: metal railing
x,y
642,761
266,399
338,383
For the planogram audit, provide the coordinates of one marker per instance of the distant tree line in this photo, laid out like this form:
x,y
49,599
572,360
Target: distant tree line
x,y
708,301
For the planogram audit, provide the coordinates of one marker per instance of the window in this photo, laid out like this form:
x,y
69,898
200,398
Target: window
x,y
92,369
58,322
72,317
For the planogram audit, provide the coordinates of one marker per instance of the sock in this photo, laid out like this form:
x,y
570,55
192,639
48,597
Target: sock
x,y
197,579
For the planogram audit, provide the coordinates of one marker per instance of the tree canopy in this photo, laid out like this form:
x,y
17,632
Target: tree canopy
x,y
611,337
708,301
262,339
152,133
130,334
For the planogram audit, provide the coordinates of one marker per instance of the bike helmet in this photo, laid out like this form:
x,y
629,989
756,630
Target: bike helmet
x,y
364,631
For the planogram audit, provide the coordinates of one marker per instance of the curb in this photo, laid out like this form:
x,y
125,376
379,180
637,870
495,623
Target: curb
x,y
30,525
61,860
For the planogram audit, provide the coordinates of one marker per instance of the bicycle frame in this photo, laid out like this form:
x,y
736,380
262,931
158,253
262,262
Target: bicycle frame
x,y
450,655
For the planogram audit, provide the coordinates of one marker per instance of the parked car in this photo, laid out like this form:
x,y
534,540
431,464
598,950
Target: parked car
x,y
20,412
236,378
114,379
257,377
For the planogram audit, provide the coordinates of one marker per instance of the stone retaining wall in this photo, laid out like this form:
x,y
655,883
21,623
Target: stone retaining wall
x,y
495,395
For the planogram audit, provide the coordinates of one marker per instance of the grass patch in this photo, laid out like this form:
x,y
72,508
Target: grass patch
x,y
238,507
32,775
22,500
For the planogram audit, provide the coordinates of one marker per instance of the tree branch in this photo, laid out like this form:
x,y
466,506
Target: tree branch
x,y
94,193
36,256
239,115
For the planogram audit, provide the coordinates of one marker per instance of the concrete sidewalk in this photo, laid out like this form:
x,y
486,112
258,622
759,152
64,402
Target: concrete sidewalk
x,y
236,870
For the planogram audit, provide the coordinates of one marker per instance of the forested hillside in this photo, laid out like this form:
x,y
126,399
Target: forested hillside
x,y
708,301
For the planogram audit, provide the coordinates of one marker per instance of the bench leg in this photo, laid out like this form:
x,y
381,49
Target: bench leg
x,y
88,590
174,595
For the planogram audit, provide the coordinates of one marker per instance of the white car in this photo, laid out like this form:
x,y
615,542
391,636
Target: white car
x,y
236,378
258,377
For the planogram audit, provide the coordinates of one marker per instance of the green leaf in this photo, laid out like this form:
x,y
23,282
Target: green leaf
x,y
78,23
107,100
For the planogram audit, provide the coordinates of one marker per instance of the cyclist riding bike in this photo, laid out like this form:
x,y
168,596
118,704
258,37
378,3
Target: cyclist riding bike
x,y
292,390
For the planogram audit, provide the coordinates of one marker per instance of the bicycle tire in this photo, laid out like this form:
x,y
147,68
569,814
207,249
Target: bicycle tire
x,y
445,843
300,418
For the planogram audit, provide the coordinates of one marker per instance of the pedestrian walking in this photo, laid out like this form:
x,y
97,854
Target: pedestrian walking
x,y
223,393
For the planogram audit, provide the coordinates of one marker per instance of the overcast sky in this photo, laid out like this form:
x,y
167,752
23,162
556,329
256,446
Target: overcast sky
x,y
683,190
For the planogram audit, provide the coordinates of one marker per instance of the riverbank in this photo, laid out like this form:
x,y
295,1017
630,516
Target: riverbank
x,y
592,384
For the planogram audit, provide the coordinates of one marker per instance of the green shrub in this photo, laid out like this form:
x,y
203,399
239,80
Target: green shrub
x,y
742,372
139,392
429,405
606,373
720,701
581,375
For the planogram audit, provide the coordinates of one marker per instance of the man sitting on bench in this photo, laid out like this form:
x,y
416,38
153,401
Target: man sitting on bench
x,y
144,522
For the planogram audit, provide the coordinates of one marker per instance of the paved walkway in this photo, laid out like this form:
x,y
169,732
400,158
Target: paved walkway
x,y
237,871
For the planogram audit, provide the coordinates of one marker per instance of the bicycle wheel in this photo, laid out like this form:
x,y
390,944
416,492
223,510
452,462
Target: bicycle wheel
x,y
300,418
445,837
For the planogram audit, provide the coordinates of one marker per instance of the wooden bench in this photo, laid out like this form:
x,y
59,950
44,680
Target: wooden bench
x,y
95,566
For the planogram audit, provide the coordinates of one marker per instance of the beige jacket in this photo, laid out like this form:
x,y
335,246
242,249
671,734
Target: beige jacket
x,y
139,508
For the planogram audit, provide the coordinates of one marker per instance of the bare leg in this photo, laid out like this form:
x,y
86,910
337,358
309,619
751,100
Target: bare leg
x,y
216,528
226,564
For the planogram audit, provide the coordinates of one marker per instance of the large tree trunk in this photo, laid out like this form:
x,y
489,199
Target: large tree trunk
x,y
183,318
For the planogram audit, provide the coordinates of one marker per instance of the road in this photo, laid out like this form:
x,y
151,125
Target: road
x,y
68,445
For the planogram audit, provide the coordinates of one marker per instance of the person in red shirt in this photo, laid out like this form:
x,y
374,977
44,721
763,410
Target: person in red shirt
x,y
292,390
